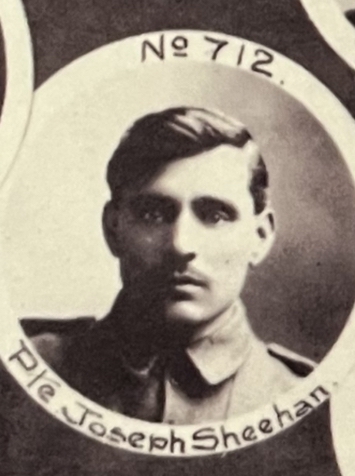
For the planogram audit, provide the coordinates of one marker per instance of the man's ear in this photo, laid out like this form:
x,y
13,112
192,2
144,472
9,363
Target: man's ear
x,y
110,225
265,236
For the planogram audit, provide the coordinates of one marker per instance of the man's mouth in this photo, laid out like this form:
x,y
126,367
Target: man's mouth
x,y
186,282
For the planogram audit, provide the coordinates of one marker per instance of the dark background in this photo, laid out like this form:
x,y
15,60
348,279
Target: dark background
x,y
66,29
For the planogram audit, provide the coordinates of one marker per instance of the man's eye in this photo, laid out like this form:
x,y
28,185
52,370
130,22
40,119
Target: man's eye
x,y
215,216
212,212
152,211
152,216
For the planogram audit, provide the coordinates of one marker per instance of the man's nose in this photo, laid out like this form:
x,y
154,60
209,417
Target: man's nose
x,y
184,237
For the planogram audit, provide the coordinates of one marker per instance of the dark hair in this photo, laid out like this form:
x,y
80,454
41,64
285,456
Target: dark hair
x,y
157,139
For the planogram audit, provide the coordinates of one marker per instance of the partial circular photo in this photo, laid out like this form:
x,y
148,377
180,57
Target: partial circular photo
x,y
335,20
343,420
178,253
16,80
348,8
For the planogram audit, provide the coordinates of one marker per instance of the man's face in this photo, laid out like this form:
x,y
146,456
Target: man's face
x,y
190,234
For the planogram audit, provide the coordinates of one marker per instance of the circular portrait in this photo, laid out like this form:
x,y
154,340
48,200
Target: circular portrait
x,y
16,80
343,420
348,9
178,244
335,20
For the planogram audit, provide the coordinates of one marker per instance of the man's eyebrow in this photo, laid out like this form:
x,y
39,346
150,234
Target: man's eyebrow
x,y
144,199
142,196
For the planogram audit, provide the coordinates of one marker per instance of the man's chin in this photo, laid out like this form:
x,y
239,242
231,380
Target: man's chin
x,y
187,312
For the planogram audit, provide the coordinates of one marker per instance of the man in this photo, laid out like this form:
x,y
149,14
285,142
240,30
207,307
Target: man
x,y
189,214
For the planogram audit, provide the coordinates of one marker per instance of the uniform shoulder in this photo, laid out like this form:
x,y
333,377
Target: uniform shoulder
x,y
299,365
33,326
269,371
50,336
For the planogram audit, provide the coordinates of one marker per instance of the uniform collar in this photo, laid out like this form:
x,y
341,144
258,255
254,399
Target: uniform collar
x,y
222,346
217,351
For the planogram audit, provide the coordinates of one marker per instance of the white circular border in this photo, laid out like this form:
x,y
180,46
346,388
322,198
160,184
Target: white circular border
x,y
19,81
333,26
97,422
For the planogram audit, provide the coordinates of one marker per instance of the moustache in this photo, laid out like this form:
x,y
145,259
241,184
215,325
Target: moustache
x,y
163,278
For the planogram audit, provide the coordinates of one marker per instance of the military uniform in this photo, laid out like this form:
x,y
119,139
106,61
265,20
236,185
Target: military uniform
x,y
226,371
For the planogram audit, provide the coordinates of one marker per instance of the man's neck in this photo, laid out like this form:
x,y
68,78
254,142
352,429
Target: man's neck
x,y
143,330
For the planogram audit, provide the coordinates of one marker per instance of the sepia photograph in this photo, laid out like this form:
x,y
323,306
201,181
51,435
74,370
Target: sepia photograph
x,y
177,263
191,267
189,214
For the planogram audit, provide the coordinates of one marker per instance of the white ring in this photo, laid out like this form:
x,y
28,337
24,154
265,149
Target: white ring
x,y
19,81
338,124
